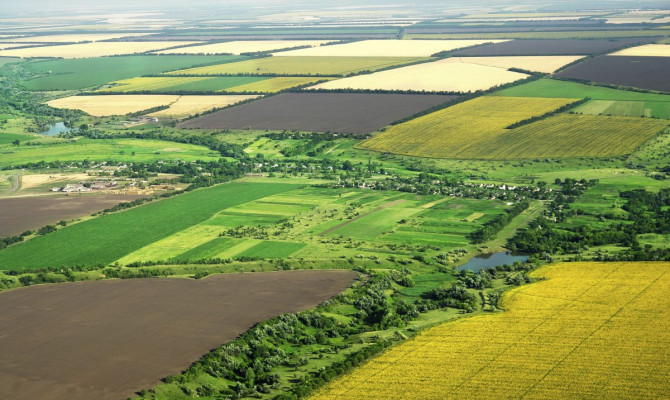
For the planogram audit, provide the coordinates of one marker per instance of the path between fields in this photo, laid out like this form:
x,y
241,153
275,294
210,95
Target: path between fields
x,y
383,206
520,221
16,183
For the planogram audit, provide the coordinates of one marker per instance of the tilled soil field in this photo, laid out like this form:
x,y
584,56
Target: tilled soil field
x,y
547,47
109,339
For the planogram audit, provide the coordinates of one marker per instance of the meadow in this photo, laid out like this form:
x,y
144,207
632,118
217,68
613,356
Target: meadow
x,y
582,317
239,47
322,66
94,49
87,72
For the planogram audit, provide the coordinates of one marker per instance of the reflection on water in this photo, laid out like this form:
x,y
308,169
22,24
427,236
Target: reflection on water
x,y
492,260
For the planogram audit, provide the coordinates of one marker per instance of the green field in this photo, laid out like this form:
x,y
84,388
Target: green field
x,y
85,72
9,60
107,238
325,66
7,138
126,150
268,249
646,109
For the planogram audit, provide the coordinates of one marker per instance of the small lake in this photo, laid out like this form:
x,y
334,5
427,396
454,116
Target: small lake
x,y
493,260
55,129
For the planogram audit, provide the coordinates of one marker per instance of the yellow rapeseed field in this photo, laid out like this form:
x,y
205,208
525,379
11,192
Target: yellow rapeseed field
x,y
589,331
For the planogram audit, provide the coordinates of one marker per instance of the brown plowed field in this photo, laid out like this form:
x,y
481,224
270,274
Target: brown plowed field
x,y
19,214
108,339
542,47
640,72
320,112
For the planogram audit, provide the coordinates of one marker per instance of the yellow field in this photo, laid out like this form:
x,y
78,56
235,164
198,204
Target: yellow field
x,y
445,75
272,85
70,38
190,105
96,49
385,48
150,83
589,331
248,46
300,66
104,105
648,50
546,64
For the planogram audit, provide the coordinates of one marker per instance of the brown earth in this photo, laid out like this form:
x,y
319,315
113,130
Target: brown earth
x,y
549,47
109,339
19,214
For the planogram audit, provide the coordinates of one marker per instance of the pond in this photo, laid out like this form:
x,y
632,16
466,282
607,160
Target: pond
x,y
492,260
55,129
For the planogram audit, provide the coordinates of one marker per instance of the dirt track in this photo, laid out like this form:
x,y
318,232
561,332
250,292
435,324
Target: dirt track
x,y
108,339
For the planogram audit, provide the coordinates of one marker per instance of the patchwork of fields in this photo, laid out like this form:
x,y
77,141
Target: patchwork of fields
x,y
85,50
549,47
238,47
221,84
598,326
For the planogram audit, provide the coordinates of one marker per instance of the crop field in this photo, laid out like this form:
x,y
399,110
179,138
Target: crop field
x,y
639,72
449,75
250,46
82,73
383,48
9,60
101,106
649,50
655,109
20,214
127,150
50,352
7,138
133,229
593,34
610,318
547,64
320,112
537,47
273,85
95,49
222,84
68,38
184,106
324,66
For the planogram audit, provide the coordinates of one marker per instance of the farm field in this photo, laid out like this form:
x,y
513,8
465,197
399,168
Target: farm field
x,y
189,105
320,112
81,73
20,214
449,75
382,48
649,50
95,49
626,108
555,331
639,72
592,34
222,84
101,106
162,335
238,47
322,66
547,64
68,38
548,47
126,150
130,230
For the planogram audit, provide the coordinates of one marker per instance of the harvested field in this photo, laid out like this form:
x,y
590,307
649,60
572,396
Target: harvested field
x,y
102,106
189,105
540,47
448,75
328,66
383,48
31,181
547,64
640,72
95,49
586,331
649,50
108,339
19,214
334,112
239,47
69,38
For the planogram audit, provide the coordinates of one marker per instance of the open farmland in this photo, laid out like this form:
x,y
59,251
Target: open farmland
x,y
647,109
189,105
546,64
199,84
239,47
105,239
127,150
20,214
101,106
639,72
449,75
81,73
85,50
547,47
109,339
323,66
274,85
585,34
610,318
320,112
649,50
383,48
69,38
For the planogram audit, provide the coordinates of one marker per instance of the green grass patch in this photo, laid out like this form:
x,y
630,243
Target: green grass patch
x,y
658,109
208,250
8,138
269,249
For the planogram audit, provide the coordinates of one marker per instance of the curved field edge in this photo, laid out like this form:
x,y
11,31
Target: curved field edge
x,y
582,316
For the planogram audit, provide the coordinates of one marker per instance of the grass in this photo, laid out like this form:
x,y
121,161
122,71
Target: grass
x,y
325,66
606,316
106,239
7,138
87,72
126,150
271,249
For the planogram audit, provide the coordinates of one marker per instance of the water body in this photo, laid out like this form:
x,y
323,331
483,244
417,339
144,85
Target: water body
x,y
55,129
492,260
